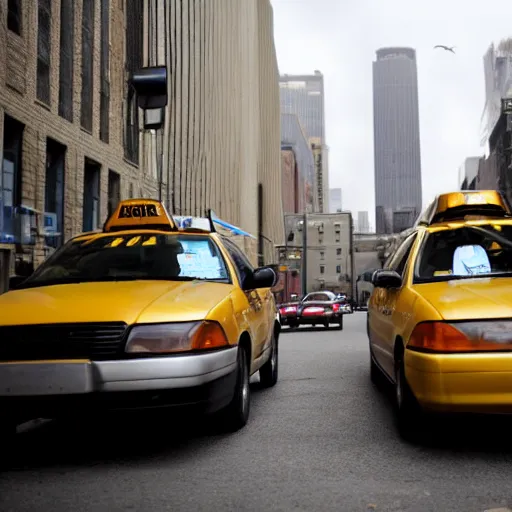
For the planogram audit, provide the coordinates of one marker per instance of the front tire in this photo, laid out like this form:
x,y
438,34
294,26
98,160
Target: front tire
x,y
236,414
269,372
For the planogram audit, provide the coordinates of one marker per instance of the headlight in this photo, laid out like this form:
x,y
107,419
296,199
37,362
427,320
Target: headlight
x,y
176,337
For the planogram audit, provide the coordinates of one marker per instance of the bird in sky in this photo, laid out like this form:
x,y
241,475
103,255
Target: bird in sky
x,y
447,48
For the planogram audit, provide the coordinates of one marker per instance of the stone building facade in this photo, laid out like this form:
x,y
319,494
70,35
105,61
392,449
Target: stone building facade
x,y
70,141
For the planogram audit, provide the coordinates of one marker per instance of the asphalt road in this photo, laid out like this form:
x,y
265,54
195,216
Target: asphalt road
x,y
323,439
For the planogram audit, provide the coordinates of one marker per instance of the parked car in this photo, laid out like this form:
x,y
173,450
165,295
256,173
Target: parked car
x,y
316,308
439,318
144,313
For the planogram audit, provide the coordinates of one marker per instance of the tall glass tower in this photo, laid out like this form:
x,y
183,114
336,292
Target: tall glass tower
x,y
398,192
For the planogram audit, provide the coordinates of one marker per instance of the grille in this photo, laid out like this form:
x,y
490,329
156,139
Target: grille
x,y
95,341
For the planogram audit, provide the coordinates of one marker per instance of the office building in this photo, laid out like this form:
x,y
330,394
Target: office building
x,y
468,173
303,95
498,83
329,256
398,190
69,131
363,222
298,167
221,141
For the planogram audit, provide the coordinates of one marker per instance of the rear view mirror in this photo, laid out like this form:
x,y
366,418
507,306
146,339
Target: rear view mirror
x,y
386,279
264,277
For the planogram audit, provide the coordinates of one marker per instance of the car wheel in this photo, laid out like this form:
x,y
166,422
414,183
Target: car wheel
x,y
340,323
236,414
269,372
407,409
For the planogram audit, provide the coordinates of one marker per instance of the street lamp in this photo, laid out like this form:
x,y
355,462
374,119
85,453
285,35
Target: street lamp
x,y
150,86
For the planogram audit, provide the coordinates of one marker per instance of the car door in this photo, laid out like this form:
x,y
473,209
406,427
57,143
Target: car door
x,y
384,315
258,301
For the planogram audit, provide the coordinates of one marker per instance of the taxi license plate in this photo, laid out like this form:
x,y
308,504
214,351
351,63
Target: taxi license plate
x,y
46,378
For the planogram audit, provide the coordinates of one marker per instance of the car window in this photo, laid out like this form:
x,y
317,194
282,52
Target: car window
x,y
469,251
132,256
241,262
398,261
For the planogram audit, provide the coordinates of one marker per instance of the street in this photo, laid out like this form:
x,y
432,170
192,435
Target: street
x,y
323,439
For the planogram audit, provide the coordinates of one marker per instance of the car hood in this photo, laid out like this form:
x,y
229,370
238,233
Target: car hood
x,y
470,298
130,302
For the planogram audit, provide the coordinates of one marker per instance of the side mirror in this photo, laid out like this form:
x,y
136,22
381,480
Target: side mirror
x,y
386,279
264,277
15,281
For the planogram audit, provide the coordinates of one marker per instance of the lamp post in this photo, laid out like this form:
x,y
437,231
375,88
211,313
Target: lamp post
x,y
150,86
305,253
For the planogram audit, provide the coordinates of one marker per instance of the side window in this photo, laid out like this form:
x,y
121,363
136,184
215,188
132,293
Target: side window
x,y
242,264
398,261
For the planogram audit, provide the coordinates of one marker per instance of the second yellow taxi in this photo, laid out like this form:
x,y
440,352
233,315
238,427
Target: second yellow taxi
x,y
141,314
440,315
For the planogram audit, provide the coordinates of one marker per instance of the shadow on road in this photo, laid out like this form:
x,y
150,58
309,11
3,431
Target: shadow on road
x,y
120,438
471,434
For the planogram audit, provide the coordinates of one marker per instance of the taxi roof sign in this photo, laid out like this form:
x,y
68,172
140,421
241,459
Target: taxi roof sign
x,y
458,205
140,214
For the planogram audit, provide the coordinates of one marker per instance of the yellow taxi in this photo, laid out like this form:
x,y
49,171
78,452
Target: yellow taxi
x,y
440,314
144,313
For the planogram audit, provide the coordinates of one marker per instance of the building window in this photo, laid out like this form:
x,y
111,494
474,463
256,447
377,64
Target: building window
x,y
14,16
10,183
114,191
322,269
86,97
54,193
338,251
67,44
134,38
322,255
105,71
91,212
44,20
320,240
338,269
337,238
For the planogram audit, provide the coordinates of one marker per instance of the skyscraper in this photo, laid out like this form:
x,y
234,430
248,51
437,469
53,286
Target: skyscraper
x,y
398,192
363,223
303,95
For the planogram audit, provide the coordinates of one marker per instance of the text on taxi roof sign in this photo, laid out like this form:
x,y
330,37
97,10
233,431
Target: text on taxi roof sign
x,y
140,214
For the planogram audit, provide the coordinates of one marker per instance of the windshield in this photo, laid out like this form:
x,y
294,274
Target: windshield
x,y
132,257
466,252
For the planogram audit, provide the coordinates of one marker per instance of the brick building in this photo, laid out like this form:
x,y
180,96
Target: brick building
x,y
70,141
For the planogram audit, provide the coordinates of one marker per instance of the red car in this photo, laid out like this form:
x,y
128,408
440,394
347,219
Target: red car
x,y
317,308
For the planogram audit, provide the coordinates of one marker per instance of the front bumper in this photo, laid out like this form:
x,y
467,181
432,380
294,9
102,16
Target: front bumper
x,y
465,383
206,380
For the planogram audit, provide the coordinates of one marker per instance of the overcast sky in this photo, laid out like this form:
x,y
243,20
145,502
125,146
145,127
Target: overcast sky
x,y
339,38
